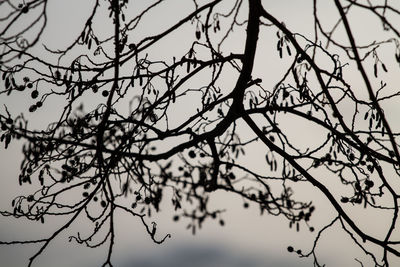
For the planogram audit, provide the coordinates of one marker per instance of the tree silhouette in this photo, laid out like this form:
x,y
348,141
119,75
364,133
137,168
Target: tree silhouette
x,y
141,121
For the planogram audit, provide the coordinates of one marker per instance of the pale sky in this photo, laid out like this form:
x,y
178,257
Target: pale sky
x,y
247,239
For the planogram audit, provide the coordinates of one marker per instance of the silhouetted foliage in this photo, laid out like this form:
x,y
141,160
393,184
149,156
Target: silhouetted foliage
x,y
141,121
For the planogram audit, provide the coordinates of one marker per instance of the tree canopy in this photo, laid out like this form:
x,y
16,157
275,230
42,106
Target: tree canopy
x,y
130,108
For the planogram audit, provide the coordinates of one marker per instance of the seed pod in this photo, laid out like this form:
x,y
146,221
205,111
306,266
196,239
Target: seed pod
x,y
87,37
188,67
32,108
7,141
7,83
35,94
288,50
384,68
140,77
397,57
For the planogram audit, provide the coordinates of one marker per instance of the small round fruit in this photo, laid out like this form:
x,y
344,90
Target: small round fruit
x,y
34,93
192,154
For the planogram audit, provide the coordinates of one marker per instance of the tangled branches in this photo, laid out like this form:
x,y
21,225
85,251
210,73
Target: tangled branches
x,y
177,114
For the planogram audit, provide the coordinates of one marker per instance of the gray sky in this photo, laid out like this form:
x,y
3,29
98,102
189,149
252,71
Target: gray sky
x,y
247,239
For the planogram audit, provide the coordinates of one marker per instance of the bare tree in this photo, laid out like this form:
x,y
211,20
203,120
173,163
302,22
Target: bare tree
x,y
126,138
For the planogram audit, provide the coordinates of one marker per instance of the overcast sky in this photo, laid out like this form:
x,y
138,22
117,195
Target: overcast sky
x,y
247,239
